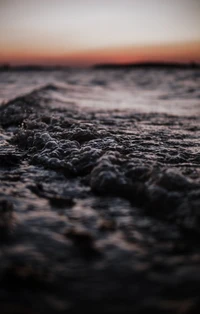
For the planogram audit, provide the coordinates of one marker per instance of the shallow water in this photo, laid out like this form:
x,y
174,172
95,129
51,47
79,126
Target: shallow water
x,y
143,90
100,192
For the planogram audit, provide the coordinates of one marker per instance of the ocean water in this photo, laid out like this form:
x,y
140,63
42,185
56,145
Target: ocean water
x,y
172,91
100,191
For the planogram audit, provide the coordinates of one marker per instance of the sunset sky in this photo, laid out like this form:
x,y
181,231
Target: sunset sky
x,y
84,32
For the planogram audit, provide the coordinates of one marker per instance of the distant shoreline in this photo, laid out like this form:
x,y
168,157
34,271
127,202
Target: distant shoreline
x,y
155,65
106,66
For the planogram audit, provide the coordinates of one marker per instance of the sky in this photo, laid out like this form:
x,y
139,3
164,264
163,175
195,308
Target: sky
x,y
85,32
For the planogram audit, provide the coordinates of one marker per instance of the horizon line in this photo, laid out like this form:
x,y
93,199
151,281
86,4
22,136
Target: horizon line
x,y
178,52
104,65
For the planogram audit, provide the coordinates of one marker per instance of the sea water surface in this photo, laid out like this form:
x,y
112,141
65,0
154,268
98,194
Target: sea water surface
x,y
100,191
173,91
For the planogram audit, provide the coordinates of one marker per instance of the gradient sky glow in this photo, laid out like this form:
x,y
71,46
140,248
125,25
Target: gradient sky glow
x,y
84,32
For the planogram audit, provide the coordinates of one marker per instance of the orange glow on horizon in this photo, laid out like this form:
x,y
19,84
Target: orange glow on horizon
x,y
183,52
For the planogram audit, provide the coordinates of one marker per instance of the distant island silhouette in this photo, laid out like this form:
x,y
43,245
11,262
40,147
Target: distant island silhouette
x,y
155,65
103,66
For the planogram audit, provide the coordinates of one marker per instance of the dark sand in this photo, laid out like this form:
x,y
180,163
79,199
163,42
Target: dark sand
x,y
99,211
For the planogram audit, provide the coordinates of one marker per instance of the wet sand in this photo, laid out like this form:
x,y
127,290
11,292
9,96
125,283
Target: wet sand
x,y
99,209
